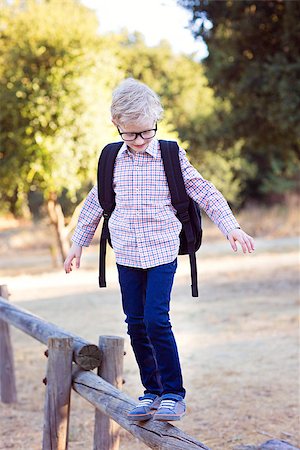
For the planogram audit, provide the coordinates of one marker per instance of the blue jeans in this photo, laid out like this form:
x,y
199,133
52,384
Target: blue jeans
x,y
146,304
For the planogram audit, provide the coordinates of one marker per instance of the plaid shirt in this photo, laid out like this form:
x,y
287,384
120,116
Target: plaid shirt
x,y
143,227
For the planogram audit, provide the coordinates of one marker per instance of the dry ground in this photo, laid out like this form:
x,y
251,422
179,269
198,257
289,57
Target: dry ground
x,y
238,343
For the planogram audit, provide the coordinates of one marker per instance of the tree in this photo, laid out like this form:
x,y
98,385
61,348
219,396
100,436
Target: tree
x,y
55,95
254,64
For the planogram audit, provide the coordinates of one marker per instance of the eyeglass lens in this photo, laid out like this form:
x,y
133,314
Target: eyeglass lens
x,y
148,134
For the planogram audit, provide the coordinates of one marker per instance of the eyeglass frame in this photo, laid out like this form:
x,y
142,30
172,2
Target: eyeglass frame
x,y
137,134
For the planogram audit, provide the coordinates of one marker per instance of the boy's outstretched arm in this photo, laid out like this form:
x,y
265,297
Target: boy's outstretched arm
x,y
214,204
246,241
88,221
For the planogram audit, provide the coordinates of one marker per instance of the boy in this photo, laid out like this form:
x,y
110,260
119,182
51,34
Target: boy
x,y
145,237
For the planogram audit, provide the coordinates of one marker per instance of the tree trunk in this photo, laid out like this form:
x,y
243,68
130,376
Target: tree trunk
x,y
57,220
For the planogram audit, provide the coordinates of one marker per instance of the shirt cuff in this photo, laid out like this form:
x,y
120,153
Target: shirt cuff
x,y
227,222
82,242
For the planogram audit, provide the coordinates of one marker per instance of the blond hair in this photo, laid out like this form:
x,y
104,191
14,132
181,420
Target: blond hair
x,y
133,101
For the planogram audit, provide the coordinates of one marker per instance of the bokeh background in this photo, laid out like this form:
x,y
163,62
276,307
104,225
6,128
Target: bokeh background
x,y
228,74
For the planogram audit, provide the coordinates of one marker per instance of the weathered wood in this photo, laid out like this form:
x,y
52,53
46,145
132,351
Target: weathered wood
x,y
7,370
86,355
105,397
108,399
273,444
107,431
57,404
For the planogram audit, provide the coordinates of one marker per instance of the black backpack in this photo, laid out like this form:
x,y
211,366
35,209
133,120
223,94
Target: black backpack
x,y
188,211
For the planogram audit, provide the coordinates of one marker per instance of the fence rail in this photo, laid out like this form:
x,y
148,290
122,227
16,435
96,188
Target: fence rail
x,y
111,404
85,354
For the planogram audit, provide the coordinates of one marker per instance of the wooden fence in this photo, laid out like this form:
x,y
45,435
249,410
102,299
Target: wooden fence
x,y
70,361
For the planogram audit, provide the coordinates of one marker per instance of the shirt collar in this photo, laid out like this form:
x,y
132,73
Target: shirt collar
x,y
152,149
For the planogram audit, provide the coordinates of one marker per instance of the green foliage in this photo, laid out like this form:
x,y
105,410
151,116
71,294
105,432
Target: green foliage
x,y
56,78
55,96
254,63
228,170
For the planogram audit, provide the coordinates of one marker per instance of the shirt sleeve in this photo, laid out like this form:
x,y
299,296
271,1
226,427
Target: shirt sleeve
x,y
207,196
88,220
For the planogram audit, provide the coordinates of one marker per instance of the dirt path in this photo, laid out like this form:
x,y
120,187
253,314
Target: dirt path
x,y
238,345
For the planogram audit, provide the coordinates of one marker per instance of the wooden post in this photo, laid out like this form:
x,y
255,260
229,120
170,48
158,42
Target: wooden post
x,y
7,370
106,433
57,404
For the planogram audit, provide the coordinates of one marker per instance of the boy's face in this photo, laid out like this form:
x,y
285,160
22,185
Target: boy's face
x,y
139,144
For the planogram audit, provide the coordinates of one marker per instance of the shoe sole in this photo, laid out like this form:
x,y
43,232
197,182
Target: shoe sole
x,y
168,417
140,417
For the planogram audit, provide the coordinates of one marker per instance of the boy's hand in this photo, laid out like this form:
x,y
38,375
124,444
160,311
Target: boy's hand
x,y
74,252
246,241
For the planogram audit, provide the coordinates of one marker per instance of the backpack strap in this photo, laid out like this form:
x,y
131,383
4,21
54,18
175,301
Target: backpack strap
x,y
180,200
194,275
106,196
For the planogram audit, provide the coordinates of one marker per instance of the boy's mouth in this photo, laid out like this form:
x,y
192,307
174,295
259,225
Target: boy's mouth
x,y
139,147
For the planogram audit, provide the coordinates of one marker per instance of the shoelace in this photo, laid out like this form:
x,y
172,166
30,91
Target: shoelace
x,y
167,404
145,402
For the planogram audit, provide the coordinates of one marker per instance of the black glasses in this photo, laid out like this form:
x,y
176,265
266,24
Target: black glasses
x,y
148,134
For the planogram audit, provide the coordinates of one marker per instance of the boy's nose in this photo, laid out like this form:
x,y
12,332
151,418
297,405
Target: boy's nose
x,y
139,140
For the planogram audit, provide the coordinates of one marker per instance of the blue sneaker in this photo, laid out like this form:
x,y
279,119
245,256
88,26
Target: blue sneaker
x,y
172,407
145,409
